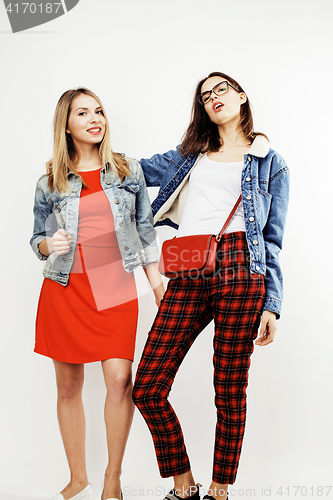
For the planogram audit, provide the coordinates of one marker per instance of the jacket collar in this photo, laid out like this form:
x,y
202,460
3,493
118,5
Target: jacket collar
x,y
259,147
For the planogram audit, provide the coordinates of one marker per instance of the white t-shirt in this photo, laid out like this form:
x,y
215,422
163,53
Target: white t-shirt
x,y
214,188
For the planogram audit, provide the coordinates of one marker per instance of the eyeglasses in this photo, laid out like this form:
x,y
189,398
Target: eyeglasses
x,y
219,89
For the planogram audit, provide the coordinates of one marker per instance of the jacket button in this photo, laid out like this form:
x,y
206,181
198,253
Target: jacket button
x,y
248,179
255,242
249,158
121,223
117,201
126,248
248,197
251,219
257,268
108,182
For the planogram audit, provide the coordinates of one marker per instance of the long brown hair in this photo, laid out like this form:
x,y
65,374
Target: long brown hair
x,y
65,154
202,134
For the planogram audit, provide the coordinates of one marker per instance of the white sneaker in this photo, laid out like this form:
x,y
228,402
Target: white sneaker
x,y
85,494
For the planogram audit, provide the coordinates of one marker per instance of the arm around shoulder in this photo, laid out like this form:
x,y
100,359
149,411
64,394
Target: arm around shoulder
x,y
144,216
155,167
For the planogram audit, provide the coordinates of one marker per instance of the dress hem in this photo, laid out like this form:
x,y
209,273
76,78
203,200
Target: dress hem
x,y
83,362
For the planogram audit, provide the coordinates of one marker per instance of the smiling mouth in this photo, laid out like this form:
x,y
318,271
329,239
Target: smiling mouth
x,y
95,130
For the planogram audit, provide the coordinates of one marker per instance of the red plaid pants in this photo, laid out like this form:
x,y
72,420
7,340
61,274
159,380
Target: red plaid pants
x,y
234,298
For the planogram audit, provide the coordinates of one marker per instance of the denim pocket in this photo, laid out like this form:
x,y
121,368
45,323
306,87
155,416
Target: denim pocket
x,y
129,195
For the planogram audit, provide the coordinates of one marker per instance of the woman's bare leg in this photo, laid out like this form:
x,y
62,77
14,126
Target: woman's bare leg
x,y
72,425
119,409
218,491
184,485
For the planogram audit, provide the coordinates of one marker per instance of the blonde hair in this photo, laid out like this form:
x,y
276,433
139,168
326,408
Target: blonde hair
x,y
65,154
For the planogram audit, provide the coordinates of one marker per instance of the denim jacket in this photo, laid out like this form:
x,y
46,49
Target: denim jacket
x,y
265,193
131,210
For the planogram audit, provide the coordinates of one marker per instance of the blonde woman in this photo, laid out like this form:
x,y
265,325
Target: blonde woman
x,y
93,227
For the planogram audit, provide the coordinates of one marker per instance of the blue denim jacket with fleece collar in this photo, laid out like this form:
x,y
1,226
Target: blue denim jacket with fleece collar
x,y
265,193
131,210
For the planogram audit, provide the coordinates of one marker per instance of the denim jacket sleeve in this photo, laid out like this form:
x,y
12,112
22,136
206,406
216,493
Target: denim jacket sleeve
x,y
43,220
273,234
144,220
155,167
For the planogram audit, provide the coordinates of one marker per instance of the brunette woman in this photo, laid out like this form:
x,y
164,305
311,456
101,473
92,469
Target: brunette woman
x,y
93,227
219,158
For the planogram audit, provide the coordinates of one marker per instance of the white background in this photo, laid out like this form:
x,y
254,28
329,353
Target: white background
x,y
143,58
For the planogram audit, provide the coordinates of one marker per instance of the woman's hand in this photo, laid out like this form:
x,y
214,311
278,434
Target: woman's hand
x,y
267,328
155,281
61,242
159,293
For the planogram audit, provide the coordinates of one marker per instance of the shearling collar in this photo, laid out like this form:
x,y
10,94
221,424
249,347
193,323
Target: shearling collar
x,y
259,147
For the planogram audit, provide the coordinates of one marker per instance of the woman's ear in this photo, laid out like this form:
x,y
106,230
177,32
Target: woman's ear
x,y
243,97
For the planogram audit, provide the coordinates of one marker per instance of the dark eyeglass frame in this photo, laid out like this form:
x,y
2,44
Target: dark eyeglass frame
x,y
199,98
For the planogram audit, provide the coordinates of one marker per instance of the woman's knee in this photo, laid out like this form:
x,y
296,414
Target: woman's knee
x,y
119,383
69,380
147,396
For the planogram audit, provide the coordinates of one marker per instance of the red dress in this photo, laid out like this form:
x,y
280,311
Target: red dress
x,y
95,316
